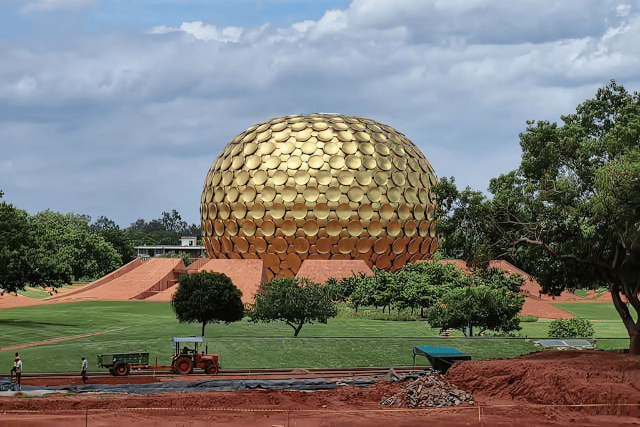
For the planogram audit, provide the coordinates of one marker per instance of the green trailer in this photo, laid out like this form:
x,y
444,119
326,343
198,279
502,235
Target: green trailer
x,y
120,364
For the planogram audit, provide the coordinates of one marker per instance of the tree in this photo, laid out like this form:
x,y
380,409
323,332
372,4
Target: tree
x,y
575,200
483,306
294,302
207,297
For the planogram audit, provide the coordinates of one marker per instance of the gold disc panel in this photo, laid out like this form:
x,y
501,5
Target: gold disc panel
x,y
320,186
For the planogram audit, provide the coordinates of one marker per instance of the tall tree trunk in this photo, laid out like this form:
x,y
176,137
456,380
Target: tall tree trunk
x,y
298,329
203,325
633,327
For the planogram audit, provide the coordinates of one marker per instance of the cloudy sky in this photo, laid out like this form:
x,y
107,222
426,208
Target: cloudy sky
x,y
119,107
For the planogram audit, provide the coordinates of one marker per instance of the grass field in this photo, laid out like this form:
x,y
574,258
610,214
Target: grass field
x,y
342,342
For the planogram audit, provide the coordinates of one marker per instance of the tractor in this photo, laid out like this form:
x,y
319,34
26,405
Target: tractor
x,y
186,358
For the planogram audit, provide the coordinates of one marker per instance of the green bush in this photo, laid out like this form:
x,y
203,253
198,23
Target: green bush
x,y
404,315
528,318
571,328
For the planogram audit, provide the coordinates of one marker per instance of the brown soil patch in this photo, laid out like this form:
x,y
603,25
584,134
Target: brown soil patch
x,y
588,388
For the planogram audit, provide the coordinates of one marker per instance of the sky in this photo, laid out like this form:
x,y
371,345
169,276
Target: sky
x,y
119,107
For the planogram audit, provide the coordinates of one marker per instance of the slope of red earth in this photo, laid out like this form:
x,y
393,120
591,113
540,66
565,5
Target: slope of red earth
x,y
552,388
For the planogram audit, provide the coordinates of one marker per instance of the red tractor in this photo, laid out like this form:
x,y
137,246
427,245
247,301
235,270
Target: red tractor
x,y
186,358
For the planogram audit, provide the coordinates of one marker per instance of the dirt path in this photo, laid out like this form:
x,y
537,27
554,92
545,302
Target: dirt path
x,y
55,340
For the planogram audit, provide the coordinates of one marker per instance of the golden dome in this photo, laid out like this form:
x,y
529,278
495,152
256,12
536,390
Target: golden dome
x,y
319,186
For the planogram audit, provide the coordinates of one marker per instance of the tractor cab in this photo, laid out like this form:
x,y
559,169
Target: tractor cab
x,y
187,357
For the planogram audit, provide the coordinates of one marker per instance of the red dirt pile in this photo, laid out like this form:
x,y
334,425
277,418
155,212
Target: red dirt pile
x,y
554,378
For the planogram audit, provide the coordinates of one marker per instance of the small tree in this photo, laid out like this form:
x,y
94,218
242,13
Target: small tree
x,y
294,302
571,328
207,298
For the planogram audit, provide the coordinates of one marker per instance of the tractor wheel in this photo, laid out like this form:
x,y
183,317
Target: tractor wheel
x,y
183,365
211,369
121,369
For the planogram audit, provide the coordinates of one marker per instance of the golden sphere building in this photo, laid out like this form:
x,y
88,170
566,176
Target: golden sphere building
x,y
319,186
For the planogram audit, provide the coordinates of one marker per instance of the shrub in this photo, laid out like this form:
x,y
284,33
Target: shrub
x,y
571,328
528,318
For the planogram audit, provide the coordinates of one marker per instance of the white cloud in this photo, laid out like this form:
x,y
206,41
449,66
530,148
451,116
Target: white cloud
x,y
116,111
48,5
208,32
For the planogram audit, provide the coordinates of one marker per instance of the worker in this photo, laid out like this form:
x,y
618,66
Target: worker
x,y
185,350
17,370
84,370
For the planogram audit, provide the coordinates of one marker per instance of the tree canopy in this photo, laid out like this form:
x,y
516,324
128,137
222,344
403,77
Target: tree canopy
x,y
294,302
207,297
570,214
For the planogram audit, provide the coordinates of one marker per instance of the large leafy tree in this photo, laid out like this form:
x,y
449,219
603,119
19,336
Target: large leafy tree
x,y
207,297
294,302
481,307
573,206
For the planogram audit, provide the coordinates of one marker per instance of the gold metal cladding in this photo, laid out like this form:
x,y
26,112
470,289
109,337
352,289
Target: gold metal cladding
x,y
310,194
355,228
394,228
344,211
248,227
320,185
394,194
365,212
363,177
213,210
363,137
232,228
299,126
309,148
323,245
272,162
321,211
323,177
333,194
239,210
268,194
289,227
257,211
355,194
345,246
353,162
364,245
350,147
301,245
242,178
280,245
319,126
277,210
381,246
218,227
331,148
302,177
336,162
268,228
369,162
410,228
252,162
316,162
299,211
289,194
280,177
333,227
374,194
375,228
326,135
310,227
345,177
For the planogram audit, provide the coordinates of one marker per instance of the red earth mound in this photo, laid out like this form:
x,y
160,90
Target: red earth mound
x,y
587,388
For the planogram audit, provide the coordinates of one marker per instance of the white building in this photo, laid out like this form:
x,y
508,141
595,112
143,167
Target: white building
x,y
188,245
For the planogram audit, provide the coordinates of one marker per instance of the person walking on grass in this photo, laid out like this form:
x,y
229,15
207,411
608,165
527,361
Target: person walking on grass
x,y
84,370
17,370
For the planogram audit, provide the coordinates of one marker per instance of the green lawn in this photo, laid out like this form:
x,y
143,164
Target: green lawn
x,y
150,326
344,341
